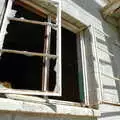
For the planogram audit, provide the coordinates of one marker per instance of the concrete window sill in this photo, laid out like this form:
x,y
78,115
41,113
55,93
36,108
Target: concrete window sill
x,y
57,109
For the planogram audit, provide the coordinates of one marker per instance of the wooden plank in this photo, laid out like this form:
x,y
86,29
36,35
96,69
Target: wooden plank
x,y
31,7
28,53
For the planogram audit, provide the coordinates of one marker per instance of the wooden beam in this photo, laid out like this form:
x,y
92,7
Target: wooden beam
x,y
34,7
28,53
110,8
30,8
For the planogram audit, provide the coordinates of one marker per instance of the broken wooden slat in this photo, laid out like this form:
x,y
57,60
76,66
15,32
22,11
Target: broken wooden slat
x,y
31,21
28,53
31,8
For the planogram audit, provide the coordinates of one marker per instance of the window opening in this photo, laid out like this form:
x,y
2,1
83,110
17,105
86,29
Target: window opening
x,y
29,37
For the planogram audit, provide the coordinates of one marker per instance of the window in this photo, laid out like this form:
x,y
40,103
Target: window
x,y
11,46
21,62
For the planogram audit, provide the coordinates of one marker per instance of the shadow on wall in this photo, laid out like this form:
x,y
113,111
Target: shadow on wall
x,y
90,6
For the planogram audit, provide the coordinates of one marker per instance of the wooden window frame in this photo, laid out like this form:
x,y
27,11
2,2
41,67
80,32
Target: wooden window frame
x,y
58,87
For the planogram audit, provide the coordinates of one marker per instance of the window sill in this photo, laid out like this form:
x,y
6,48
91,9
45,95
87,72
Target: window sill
x,y
43,108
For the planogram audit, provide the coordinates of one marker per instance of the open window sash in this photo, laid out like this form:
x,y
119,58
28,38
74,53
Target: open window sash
x,y
58,87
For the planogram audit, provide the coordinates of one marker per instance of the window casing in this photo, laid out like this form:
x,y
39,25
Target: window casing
x,y
58,88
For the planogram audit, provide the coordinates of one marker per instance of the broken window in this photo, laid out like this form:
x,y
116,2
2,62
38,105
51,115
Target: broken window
x,y
21,62
29,37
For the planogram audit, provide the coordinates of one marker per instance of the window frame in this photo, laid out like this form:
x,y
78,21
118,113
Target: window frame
x,y
58,91
58,86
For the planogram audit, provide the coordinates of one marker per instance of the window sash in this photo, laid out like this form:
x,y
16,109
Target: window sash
x,y
58,86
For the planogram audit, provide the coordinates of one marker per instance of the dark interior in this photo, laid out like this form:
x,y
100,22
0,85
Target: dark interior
x,y
25,72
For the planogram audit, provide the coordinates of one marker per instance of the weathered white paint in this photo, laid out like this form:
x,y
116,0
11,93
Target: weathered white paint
x,y
3,31
88,13
108,64
2,9
46,108
18,116
109,112
84,65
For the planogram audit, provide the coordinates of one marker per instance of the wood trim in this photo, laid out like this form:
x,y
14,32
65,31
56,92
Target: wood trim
x,y
31,7
28,92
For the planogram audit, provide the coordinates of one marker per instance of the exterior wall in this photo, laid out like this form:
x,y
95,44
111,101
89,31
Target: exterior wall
x,y
13,116
107,39
88,12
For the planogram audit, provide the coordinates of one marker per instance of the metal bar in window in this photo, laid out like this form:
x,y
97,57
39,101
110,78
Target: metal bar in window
x,y
28,53
45,72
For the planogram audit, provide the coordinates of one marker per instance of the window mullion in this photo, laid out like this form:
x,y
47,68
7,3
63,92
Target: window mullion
x,y
46,60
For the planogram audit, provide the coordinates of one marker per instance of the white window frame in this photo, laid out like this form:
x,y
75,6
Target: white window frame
x,y
58,86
